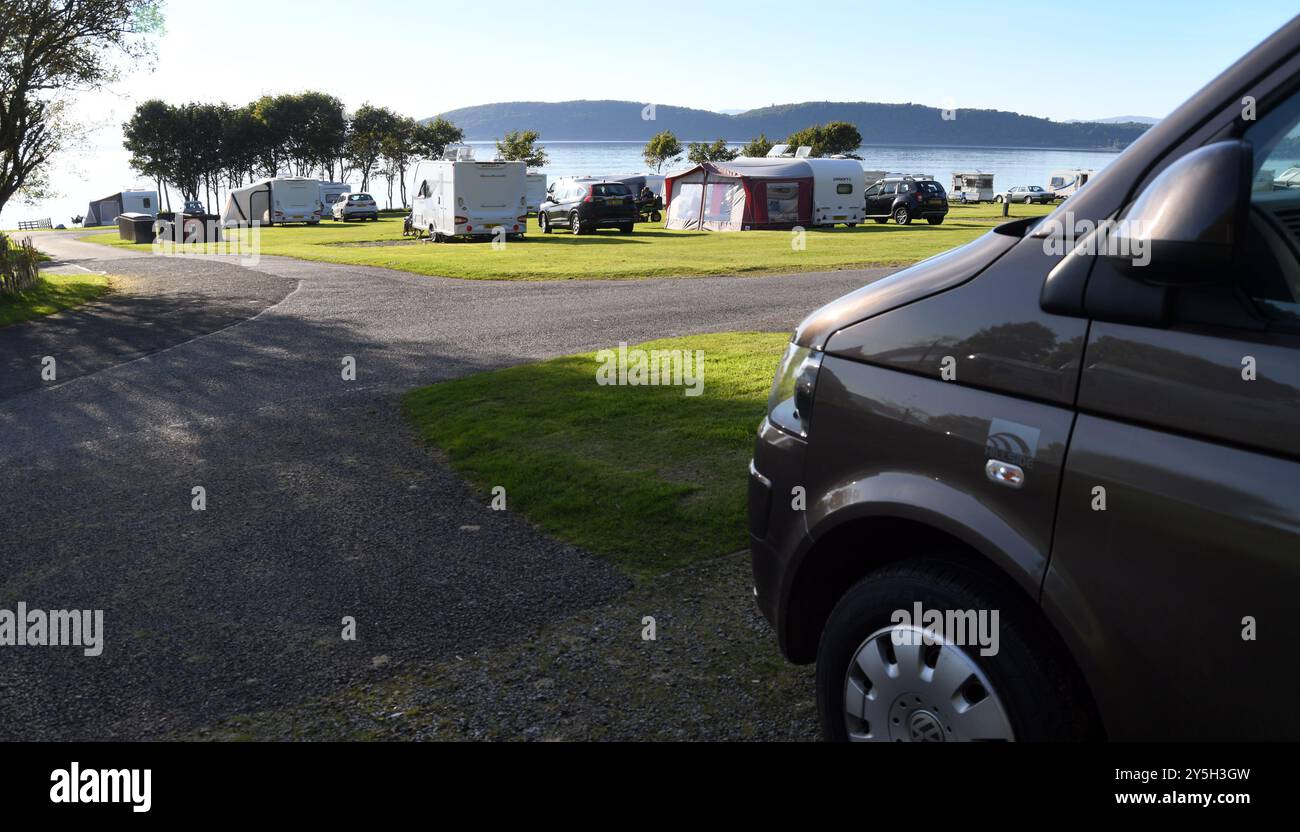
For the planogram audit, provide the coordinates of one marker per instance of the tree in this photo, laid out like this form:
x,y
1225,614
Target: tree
x,y
756,148
431,138
521,146
699,152
835,138
365,140
150,136
48,49
662,149
397,150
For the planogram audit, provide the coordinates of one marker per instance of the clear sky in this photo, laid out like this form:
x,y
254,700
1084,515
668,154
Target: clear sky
x,y
1055,59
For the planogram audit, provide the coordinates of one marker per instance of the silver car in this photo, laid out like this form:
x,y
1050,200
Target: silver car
x,y
355,207
1028,194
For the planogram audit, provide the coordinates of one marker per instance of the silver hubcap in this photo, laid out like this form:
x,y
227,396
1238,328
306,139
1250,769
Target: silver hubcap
x,y
918,692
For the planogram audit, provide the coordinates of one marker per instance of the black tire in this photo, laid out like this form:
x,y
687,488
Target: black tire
x,y
575,224
655,216
543,224
626,228
934,220
902,216
1039,688
850,225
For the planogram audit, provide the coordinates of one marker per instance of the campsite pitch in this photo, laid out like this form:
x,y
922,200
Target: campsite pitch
x,y
652,251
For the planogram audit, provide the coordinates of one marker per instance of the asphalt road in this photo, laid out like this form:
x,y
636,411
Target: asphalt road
x,y
320,504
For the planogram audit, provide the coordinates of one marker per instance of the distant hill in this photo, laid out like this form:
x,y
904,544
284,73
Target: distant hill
x,y
879,124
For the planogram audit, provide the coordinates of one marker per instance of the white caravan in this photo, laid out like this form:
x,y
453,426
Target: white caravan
x,y
330,193
105,211
271,201
535,191
1063,183
459,197
971,187
839,191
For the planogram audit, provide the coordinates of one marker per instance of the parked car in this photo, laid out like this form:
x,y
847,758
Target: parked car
x,y
905,198
1086,452
355,207
1028,194
193,206
584,205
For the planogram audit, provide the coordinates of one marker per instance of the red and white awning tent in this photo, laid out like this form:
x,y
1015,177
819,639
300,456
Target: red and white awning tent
x,y
740,195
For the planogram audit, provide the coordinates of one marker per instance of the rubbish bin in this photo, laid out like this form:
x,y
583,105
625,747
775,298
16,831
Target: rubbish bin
x,y
200,228
136,228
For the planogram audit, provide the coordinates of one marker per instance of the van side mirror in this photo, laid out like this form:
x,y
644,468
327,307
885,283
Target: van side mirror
x,y
1186,226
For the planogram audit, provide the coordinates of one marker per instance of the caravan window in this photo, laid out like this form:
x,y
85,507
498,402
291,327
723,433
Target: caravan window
x,y
146,202
424,190
844,188
1057,181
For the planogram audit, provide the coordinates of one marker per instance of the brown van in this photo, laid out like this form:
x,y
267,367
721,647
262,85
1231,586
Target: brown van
x,y
1047,485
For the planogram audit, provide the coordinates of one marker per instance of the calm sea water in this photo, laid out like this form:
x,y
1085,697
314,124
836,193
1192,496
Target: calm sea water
x,y
1009,166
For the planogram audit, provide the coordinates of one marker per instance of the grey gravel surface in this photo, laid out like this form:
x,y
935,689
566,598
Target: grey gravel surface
x,y
320,502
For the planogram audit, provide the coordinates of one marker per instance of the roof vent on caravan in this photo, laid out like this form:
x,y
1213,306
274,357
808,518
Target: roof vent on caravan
x,y
804,152
778,150
458,153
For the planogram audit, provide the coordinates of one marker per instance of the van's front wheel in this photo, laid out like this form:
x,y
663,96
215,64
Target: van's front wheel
x,y
998,676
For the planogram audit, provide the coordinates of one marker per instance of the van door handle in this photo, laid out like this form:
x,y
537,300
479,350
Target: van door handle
x,y
1004,473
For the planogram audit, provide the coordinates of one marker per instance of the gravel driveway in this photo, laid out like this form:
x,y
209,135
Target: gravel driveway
x,y
320,504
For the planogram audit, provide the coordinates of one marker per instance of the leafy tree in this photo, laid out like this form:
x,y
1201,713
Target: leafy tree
x,y
49,49
830,139
150,136
521,146
699,152
397,150
662,149
756,148
431,138
370,125
319,137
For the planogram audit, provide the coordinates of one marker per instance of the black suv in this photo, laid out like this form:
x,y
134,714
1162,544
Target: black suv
x,y
584,205
906,198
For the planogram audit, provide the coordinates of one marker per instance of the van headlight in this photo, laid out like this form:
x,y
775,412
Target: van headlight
x,y
789,407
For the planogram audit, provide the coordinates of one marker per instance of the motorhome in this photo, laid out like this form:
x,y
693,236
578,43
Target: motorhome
x,y
535,191
971,187
838,188
1063,183
281,200
457,196
330,193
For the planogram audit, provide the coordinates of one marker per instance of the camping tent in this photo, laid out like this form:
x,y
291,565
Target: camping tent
x,y
740,195
105,211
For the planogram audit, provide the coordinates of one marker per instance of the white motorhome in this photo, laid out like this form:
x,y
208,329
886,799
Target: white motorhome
x,y
330,193
460,197
535,191
1062,183
839,186
971,187
281,200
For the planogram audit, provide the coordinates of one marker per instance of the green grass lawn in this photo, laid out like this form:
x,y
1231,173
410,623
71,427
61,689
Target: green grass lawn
x,y
53,293
652,251
646,476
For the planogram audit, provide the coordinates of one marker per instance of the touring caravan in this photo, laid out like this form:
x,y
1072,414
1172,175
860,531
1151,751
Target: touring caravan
x,y
283,200
105,211
971,187
330,193
534,191
838,188
1063,183
460,197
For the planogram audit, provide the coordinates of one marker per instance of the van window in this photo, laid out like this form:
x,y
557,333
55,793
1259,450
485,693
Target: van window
x,y
1272,256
